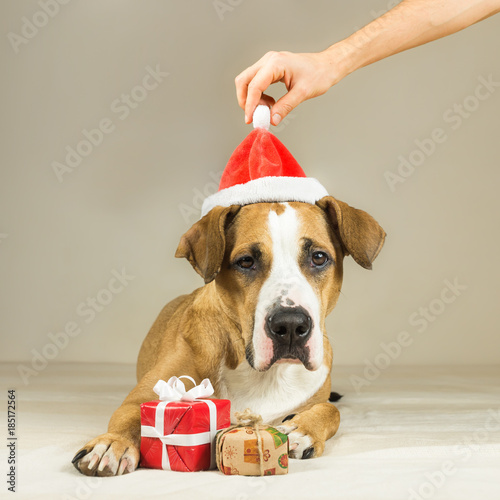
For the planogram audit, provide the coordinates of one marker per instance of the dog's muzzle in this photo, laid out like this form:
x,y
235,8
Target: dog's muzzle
x,y
289,328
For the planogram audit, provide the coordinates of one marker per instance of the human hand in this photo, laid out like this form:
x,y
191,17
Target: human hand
x,y
304,75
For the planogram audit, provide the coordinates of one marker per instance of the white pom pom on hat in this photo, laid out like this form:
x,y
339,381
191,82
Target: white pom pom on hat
x,y
262,117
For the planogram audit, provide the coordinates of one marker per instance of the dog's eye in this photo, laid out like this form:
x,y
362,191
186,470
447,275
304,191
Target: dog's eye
x,y
319,259
246,262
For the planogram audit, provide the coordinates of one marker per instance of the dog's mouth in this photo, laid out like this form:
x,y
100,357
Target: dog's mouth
x,y
281,358
287,331
285,335
288,359
298,356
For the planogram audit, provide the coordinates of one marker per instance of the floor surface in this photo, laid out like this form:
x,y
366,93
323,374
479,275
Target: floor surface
x,y
410,433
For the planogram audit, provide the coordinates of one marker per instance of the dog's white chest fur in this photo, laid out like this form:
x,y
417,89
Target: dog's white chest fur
x,y
273,394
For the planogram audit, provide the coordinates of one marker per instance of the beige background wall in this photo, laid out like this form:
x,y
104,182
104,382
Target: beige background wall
x,y
128,202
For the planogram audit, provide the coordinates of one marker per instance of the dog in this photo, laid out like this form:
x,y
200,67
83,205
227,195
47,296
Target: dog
x,y
256,329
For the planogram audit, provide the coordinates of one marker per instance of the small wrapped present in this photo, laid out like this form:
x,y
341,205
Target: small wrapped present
x,y
250,448
178,431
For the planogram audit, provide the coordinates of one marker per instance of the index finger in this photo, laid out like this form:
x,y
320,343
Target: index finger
x,y
264,77
241,82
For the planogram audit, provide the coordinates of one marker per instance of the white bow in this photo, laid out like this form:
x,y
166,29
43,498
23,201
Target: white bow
x,y
174,389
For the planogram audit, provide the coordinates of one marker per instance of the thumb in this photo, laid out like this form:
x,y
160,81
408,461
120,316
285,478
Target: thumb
x,y
286,104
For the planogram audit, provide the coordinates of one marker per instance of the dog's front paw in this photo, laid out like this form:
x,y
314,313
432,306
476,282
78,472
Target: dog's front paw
x,y
107,455
302,442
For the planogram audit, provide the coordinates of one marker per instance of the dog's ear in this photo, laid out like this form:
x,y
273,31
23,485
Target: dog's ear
x,y
205,243
359,232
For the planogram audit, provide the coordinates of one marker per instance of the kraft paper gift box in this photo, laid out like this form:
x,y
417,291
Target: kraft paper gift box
x,y
238,453
178,431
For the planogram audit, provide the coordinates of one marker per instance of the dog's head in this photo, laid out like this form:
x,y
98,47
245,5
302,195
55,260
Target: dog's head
x,y
277,268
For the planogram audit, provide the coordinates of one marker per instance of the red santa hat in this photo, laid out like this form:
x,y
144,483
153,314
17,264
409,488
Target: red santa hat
x,y
261,170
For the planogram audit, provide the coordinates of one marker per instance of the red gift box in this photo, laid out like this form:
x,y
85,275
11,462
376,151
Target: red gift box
x,y
180,435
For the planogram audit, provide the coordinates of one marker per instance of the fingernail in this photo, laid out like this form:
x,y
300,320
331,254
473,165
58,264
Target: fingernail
x,y
246,119
79,455
93,462
123,466
104,462
276,118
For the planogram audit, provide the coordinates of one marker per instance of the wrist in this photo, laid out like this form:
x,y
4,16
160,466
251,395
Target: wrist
x,y
341,60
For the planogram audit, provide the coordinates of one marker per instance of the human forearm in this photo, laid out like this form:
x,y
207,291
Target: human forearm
x,y
410,24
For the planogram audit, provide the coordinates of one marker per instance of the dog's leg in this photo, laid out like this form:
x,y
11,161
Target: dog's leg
x,y
308,430
117,452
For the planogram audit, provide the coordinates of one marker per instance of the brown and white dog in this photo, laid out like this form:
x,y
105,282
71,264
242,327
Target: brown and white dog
x,y
273,272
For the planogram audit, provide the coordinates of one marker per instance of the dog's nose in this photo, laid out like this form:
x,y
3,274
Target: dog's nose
x,y
289,324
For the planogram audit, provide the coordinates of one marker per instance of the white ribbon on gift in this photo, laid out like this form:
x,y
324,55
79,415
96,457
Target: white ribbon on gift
x,y
174,390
